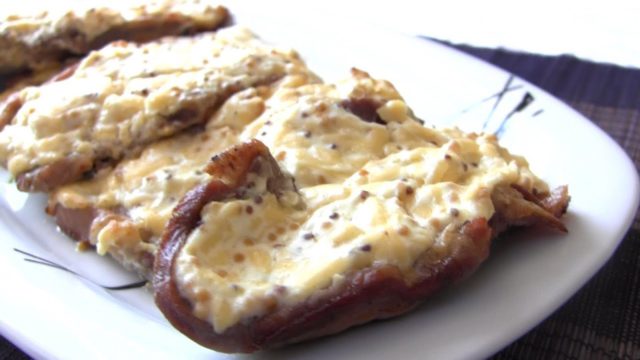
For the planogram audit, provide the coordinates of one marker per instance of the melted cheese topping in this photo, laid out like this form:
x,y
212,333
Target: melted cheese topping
x,y
127,95
27,26
373,194
148,187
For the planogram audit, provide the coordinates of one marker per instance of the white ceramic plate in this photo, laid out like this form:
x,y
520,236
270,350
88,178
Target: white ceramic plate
x,y
52,314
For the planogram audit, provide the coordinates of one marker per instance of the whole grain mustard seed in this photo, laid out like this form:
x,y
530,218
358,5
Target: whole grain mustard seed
x,y
203,295
238,258
404,231
366,248
249,209
364,194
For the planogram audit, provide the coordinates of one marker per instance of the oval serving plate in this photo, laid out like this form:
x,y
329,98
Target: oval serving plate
x,y
52,314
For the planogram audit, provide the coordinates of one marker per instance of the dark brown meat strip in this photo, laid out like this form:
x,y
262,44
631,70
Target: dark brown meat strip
x,y
73,42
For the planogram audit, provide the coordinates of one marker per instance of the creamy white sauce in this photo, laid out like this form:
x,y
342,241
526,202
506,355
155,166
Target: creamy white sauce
x,y
147,188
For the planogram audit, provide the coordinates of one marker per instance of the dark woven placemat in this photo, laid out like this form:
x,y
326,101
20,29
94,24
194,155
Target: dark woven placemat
x,y
602,321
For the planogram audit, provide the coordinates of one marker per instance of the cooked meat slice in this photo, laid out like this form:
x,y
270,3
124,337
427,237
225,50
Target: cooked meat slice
x,y
10,101
240,275
126,96
139,194
347,124
14,83
249,259
515,209
37,36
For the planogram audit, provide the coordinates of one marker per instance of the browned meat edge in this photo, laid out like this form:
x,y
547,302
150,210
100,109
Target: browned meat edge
x,y
75,167
77,223
12,103
73,43
369,294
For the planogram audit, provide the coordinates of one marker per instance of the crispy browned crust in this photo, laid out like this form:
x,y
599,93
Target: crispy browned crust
x,y
366,295
73,43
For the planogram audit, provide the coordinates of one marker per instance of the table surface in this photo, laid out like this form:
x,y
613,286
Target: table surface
x,y
603,319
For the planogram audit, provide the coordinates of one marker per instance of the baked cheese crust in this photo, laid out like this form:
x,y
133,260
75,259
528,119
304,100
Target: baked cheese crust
x,y
127,95
145,189
33,34
375,186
